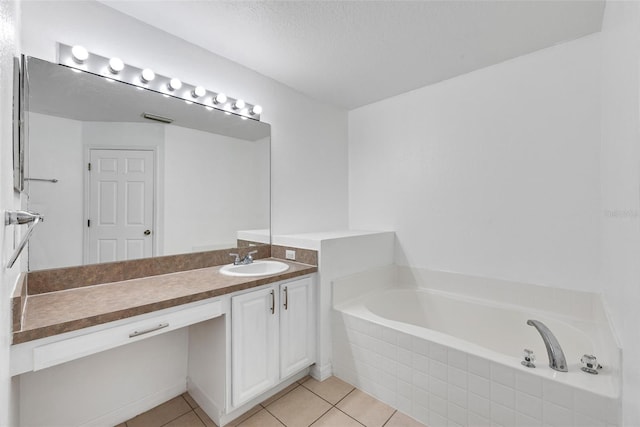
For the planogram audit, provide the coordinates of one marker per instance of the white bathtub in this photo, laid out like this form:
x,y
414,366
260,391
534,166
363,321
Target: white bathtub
x,y
446,349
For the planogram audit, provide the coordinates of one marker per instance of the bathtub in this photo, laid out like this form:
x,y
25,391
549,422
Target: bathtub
x,y
446,349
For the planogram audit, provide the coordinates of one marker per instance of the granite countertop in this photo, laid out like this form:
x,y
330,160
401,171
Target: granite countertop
x,y
58,312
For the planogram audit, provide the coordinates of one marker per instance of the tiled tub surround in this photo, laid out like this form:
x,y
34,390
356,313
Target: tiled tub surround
x,y
441,379
53,313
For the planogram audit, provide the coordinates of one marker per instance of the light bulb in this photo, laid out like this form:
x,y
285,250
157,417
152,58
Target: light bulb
x,y
116,65
147,75
256,109
79,53
174,84
239,104
198,91
220,98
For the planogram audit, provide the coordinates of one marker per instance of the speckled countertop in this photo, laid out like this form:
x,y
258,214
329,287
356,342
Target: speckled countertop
x,y
58,312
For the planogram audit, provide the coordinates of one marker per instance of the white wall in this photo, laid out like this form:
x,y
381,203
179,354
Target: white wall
x,y
55,152
9,46
309,139
620,183
106,388
205,173
494,173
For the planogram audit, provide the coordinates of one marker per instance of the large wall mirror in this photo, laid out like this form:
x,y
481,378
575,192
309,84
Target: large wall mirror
x,y
114,185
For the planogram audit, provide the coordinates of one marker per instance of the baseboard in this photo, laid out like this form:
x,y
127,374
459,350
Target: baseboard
x,y
206,403
131,410
321,373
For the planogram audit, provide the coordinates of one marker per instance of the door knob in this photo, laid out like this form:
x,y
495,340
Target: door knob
x,y
147,232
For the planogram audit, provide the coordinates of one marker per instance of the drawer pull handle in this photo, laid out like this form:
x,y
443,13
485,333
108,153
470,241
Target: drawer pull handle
x,y
273,301
286,298
146,331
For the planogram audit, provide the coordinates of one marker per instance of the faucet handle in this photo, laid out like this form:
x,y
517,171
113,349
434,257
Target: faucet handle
x,y
529,357
590,364
236,261
248,258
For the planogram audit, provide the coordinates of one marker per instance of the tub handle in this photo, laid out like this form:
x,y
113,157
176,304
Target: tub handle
x,y
286,298
273,302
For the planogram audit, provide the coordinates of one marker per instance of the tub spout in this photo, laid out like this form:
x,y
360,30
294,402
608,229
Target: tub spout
x,y
557,360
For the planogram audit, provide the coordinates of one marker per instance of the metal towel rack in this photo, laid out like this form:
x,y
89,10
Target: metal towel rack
x,y
54,180
19,218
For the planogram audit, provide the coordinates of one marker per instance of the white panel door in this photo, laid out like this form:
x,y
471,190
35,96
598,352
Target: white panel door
x,y
120,205
254,344
297,326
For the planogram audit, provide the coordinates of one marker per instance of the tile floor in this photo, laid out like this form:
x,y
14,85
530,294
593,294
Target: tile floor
x,y
330,403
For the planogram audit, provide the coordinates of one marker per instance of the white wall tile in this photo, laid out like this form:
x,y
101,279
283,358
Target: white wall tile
x,y
556,416
505,396
529,383
436,420
529,405
404,389
439,388
557,394
420,380
478,421
405,341
591,405
458,396
457,359
584,421
523,420
478,385
479,405
390,336
404,404
438,352
438,370
457,414
405,356
503,375
405,373
420,363
420,396
438,405
457,377
420,413
421,346
480,367
502,415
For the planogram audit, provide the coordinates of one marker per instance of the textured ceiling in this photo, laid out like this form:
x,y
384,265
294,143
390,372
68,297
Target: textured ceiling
x,y
352,53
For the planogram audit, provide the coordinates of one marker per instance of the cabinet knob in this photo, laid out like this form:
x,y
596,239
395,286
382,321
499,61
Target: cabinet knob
x,y
147,232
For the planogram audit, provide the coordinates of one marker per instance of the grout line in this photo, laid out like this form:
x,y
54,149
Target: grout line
x,y
348,415
201,420
170,421
345,396
274,401
279,420
323,414
389,419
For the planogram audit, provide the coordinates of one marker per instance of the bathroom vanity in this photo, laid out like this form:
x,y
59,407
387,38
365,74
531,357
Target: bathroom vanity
x,y
248,337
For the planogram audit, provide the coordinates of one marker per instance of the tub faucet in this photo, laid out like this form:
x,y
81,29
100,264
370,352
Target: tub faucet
x,y
557,360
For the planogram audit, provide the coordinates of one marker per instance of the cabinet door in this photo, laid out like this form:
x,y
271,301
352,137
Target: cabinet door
x,y
297,326
254,343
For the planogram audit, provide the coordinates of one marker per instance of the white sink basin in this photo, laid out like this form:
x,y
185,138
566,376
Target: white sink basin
x,y
256,268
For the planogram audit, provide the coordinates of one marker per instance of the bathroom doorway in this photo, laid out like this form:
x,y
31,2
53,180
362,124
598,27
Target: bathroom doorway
x,y
119,205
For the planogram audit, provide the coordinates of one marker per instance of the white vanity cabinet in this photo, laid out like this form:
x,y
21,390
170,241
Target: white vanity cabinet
x,y
272,336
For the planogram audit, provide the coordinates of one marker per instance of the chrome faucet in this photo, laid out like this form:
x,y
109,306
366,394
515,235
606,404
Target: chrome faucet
x,y
557,360
247,259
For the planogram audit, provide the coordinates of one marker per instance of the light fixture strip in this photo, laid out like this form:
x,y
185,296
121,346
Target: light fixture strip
x,y
100,65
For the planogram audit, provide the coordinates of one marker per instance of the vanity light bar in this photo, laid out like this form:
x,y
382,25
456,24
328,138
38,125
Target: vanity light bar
x,y
79,58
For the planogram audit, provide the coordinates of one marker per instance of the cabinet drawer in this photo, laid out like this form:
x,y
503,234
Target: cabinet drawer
x,y
94,342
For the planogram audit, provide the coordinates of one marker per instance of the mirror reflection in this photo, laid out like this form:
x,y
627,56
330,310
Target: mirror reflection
x,y
114,185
